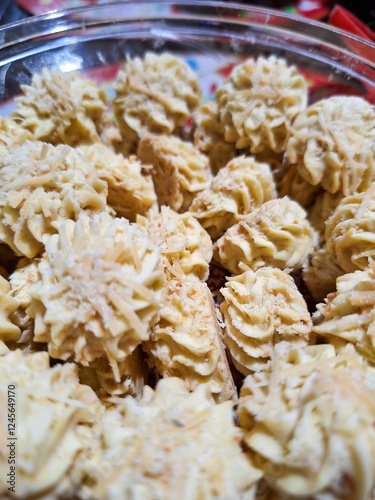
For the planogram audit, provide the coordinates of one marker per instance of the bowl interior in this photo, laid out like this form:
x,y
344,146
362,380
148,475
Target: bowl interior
x,y
211,36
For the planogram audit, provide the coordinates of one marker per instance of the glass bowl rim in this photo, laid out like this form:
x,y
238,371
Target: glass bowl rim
x,y
60,14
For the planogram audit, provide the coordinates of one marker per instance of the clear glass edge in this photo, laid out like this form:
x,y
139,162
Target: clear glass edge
x,y
53,15
55,43
43,38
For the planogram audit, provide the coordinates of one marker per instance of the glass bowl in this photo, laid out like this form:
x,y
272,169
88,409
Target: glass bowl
x,y
211,36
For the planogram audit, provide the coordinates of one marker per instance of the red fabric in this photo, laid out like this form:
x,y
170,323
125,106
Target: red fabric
x,y
314,9
342,18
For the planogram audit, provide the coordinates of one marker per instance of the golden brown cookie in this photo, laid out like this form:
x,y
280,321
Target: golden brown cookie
x,y
276,234
239,187
65,108
178,170
348,314
41,186
8,330
55,417
185,247
209,136
321,274
260,310
171,442
186,341
99,290
258,102
154,95
310,419
130,192
350,231
333,144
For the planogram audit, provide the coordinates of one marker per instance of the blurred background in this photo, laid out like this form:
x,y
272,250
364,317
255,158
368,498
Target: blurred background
x,y
355,16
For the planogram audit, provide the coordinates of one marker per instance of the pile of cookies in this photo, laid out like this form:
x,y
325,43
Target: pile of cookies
x,y
187,288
